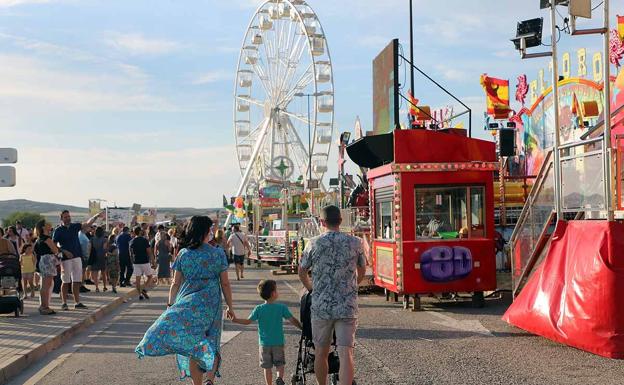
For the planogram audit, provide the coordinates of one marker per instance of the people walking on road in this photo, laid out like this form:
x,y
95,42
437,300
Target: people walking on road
x,y
141,254
221,241
6,246
162,249
46,252
66,236
191,325
112,263
85,246
338,264
240,247
125,263
27,263
11,235
22,232
97,262
270,317
173,241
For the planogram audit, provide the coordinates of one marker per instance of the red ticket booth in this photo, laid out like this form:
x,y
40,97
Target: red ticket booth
x,y
432,206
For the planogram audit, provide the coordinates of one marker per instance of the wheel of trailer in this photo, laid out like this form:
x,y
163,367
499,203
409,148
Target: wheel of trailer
x,y
478,300
334,379
406,301
284,88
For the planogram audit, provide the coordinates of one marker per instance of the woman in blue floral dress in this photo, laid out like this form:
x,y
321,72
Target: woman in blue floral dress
x,y
191,326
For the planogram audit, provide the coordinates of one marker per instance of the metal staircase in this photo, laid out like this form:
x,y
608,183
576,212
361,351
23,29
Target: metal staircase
x,y
534,227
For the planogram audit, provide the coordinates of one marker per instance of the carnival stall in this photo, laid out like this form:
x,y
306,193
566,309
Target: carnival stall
x,y
432,211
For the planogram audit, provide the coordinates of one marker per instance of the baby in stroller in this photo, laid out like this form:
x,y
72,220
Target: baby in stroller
x,y
305,358
11,291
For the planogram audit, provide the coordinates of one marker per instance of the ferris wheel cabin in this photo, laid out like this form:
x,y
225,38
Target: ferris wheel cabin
x,y
432,205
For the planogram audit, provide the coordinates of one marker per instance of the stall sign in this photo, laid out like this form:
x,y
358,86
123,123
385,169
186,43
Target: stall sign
x,y
385,264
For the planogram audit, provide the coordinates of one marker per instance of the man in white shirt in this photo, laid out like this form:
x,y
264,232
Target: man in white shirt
x,y
239,245
22,232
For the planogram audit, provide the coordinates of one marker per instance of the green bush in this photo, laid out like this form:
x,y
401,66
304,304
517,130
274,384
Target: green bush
x,y
28,219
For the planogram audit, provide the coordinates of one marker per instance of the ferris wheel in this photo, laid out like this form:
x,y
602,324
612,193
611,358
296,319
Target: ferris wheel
x,y
284,96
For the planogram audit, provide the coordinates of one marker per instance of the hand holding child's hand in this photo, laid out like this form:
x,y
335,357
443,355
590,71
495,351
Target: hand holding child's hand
x,y
230,314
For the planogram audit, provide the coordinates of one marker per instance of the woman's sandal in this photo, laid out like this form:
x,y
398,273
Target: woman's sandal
x,y
208,382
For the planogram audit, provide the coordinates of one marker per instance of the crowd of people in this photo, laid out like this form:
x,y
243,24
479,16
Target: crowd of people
x,y
71,256
66,258
331,268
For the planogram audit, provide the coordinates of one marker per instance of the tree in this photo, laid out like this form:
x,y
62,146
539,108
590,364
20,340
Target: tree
x,y
28,219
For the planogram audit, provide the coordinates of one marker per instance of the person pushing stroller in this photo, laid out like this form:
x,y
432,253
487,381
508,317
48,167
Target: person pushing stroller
x,y
338,264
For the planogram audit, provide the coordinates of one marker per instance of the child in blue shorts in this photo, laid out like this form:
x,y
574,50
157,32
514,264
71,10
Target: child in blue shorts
x,y
270,316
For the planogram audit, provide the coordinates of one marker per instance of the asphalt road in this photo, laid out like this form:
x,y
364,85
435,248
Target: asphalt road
x,y
447,343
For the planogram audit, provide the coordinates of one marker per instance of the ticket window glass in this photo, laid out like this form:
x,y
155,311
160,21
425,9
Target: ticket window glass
x,y
450,212
384,227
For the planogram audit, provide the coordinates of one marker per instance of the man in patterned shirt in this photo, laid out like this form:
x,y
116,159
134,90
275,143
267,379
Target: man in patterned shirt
x,y
338,265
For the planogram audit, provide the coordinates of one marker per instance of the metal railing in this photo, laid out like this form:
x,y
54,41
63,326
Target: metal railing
x,y
535,215
309,228
269,246
583,195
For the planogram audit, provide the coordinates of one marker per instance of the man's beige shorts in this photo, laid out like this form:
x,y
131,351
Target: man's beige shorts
x,y
323,331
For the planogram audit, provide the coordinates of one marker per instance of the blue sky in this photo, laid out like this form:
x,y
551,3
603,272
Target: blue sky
x,y
131,101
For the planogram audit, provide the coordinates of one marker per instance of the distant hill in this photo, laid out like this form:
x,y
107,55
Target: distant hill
x,y
51,210
11,206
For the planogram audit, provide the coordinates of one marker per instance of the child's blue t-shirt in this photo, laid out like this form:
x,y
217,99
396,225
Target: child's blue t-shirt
x,y
270,317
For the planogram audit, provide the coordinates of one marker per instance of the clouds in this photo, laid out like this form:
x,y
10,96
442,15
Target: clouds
x,y
13,3
137,44
153,177
213,77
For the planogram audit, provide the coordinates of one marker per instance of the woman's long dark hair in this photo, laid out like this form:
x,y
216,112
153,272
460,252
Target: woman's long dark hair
x,y
196,231
39,228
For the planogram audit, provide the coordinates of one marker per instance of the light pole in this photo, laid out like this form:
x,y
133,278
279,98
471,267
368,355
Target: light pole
x,y
344,140
300,94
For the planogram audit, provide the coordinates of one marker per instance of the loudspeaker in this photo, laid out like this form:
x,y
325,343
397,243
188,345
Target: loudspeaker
x,y
507,142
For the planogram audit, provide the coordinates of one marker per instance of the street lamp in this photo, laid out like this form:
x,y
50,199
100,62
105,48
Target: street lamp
x,y
310,186
344,140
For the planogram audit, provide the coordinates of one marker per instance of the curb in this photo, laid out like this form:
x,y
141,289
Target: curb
x,y
15,365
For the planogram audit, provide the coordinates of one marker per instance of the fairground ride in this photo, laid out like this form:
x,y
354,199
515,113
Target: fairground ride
x,y
283,97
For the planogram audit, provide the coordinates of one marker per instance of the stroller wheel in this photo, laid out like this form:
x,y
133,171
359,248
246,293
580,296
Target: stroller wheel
x,y
334,379
296,380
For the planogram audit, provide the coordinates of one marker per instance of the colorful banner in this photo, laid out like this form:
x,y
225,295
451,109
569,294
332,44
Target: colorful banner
x,y
620,26
497,96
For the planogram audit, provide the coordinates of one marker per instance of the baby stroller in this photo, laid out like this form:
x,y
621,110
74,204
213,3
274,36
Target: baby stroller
x,y
305,357
11,282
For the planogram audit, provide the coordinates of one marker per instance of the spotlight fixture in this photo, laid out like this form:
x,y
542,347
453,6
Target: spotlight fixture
x,y
528,34
511,125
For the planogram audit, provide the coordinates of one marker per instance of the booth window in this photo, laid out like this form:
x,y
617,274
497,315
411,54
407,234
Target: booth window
x,y
450,212
384,228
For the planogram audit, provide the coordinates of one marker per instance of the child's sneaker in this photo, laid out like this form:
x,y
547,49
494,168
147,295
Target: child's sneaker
x,y
279,381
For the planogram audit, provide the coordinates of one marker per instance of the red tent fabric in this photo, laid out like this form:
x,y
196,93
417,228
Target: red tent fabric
x,y
576,296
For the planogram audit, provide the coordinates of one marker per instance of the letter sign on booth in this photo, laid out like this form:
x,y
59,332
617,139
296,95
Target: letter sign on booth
x,y
445,264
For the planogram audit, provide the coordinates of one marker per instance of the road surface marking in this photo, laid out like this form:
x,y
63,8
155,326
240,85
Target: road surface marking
x,y
472,326
292,288
228,335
